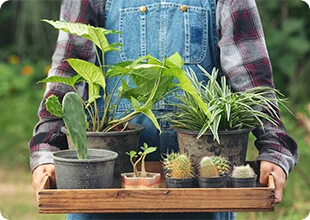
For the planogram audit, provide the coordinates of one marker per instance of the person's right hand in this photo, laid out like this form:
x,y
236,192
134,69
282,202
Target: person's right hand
x,y
40,172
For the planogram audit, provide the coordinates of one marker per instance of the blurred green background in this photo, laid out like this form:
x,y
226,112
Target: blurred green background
x,y
26,47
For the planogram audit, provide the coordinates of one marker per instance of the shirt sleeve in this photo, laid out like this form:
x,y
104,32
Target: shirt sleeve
x,y
245,62
47,136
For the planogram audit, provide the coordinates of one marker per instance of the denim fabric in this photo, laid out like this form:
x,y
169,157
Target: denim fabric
x,y
161,30
146,216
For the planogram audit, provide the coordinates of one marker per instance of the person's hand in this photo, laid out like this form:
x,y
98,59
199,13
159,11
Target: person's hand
x,y
40,172
267,168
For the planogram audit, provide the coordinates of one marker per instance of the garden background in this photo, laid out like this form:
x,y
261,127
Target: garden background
x,y
26,47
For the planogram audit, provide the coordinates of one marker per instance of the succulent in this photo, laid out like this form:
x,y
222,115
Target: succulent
x,y
243,172
221,163
207,168
180,167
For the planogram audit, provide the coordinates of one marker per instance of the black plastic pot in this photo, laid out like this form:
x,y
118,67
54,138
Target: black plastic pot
x,y
179,182
212,182
93,173
233,145
243,182
118,141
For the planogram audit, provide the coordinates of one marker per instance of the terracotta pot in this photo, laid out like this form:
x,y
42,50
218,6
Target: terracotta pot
x,y
152,180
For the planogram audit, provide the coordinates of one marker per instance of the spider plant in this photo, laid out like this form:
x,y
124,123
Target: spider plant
x,y
228,110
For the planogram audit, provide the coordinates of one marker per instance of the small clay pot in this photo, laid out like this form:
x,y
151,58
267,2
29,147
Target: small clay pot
x,y
152,180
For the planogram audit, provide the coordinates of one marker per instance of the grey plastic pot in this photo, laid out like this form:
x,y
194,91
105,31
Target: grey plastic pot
x,y
233,145
179,182
118,141
93,173
212,182
243,182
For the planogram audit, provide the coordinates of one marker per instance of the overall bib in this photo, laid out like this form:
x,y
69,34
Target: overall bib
x,y
161,28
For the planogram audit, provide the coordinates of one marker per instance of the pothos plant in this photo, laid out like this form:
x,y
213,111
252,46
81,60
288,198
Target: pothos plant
x,y
151,79
137,157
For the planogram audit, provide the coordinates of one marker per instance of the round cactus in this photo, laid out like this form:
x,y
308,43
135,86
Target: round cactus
x,y
180,167
221,163
207,168
243,172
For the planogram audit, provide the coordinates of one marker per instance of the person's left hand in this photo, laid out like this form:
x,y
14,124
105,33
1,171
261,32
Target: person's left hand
x,y
279,175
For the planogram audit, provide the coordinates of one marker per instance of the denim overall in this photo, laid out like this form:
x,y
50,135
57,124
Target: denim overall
x,y
161,28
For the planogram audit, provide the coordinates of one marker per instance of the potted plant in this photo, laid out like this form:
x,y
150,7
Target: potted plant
x,y
81,168
243,176
179,171
142,83
220,128
140,179
212,172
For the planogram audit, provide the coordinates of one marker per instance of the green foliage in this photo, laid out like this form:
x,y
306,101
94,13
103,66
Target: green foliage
x,y
75,121
223,165
286,26
228,110
141,155
243,172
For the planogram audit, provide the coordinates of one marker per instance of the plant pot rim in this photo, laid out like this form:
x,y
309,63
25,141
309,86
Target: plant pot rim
x,y
246,178
130,175
136,128
72,152
221,132
171,178
218,177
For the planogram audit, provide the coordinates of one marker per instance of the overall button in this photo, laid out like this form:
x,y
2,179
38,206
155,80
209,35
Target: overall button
x,y
183,8
143,9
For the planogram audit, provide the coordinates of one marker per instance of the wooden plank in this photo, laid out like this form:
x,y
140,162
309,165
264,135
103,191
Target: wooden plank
x,y
156,200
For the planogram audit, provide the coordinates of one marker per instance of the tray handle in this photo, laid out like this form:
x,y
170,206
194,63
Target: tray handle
x,y
271,182
45,183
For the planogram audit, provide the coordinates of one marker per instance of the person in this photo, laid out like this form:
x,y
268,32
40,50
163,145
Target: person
x,y
226,34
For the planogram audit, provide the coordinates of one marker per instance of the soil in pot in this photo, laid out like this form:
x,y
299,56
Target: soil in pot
x,y
93,173
243,182
152,180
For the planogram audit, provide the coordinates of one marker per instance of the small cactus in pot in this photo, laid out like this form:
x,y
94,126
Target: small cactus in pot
x,y
180,171
212,172
243,176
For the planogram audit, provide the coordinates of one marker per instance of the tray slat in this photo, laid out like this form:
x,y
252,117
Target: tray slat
x,y
155,200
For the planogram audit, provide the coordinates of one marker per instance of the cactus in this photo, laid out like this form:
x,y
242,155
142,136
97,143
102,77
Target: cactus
x,y
243,172
180,167
207,168
221,163
75,121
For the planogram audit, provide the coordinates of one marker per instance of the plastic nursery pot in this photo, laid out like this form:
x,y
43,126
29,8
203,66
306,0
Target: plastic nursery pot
x,y
93,173
118,141
243,182
179,182
152,180
212,182
233,145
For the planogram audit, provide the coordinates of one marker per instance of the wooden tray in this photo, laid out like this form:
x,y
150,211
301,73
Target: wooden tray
x,y
161,200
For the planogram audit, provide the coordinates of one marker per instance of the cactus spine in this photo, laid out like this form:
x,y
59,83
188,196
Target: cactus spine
x,y
207,168
75,121
221,163
180,167
243,172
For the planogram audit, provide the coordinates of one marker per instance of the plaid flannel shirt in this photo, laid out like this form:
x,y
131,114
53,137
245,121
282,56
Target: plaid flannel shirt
x,y
243,59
